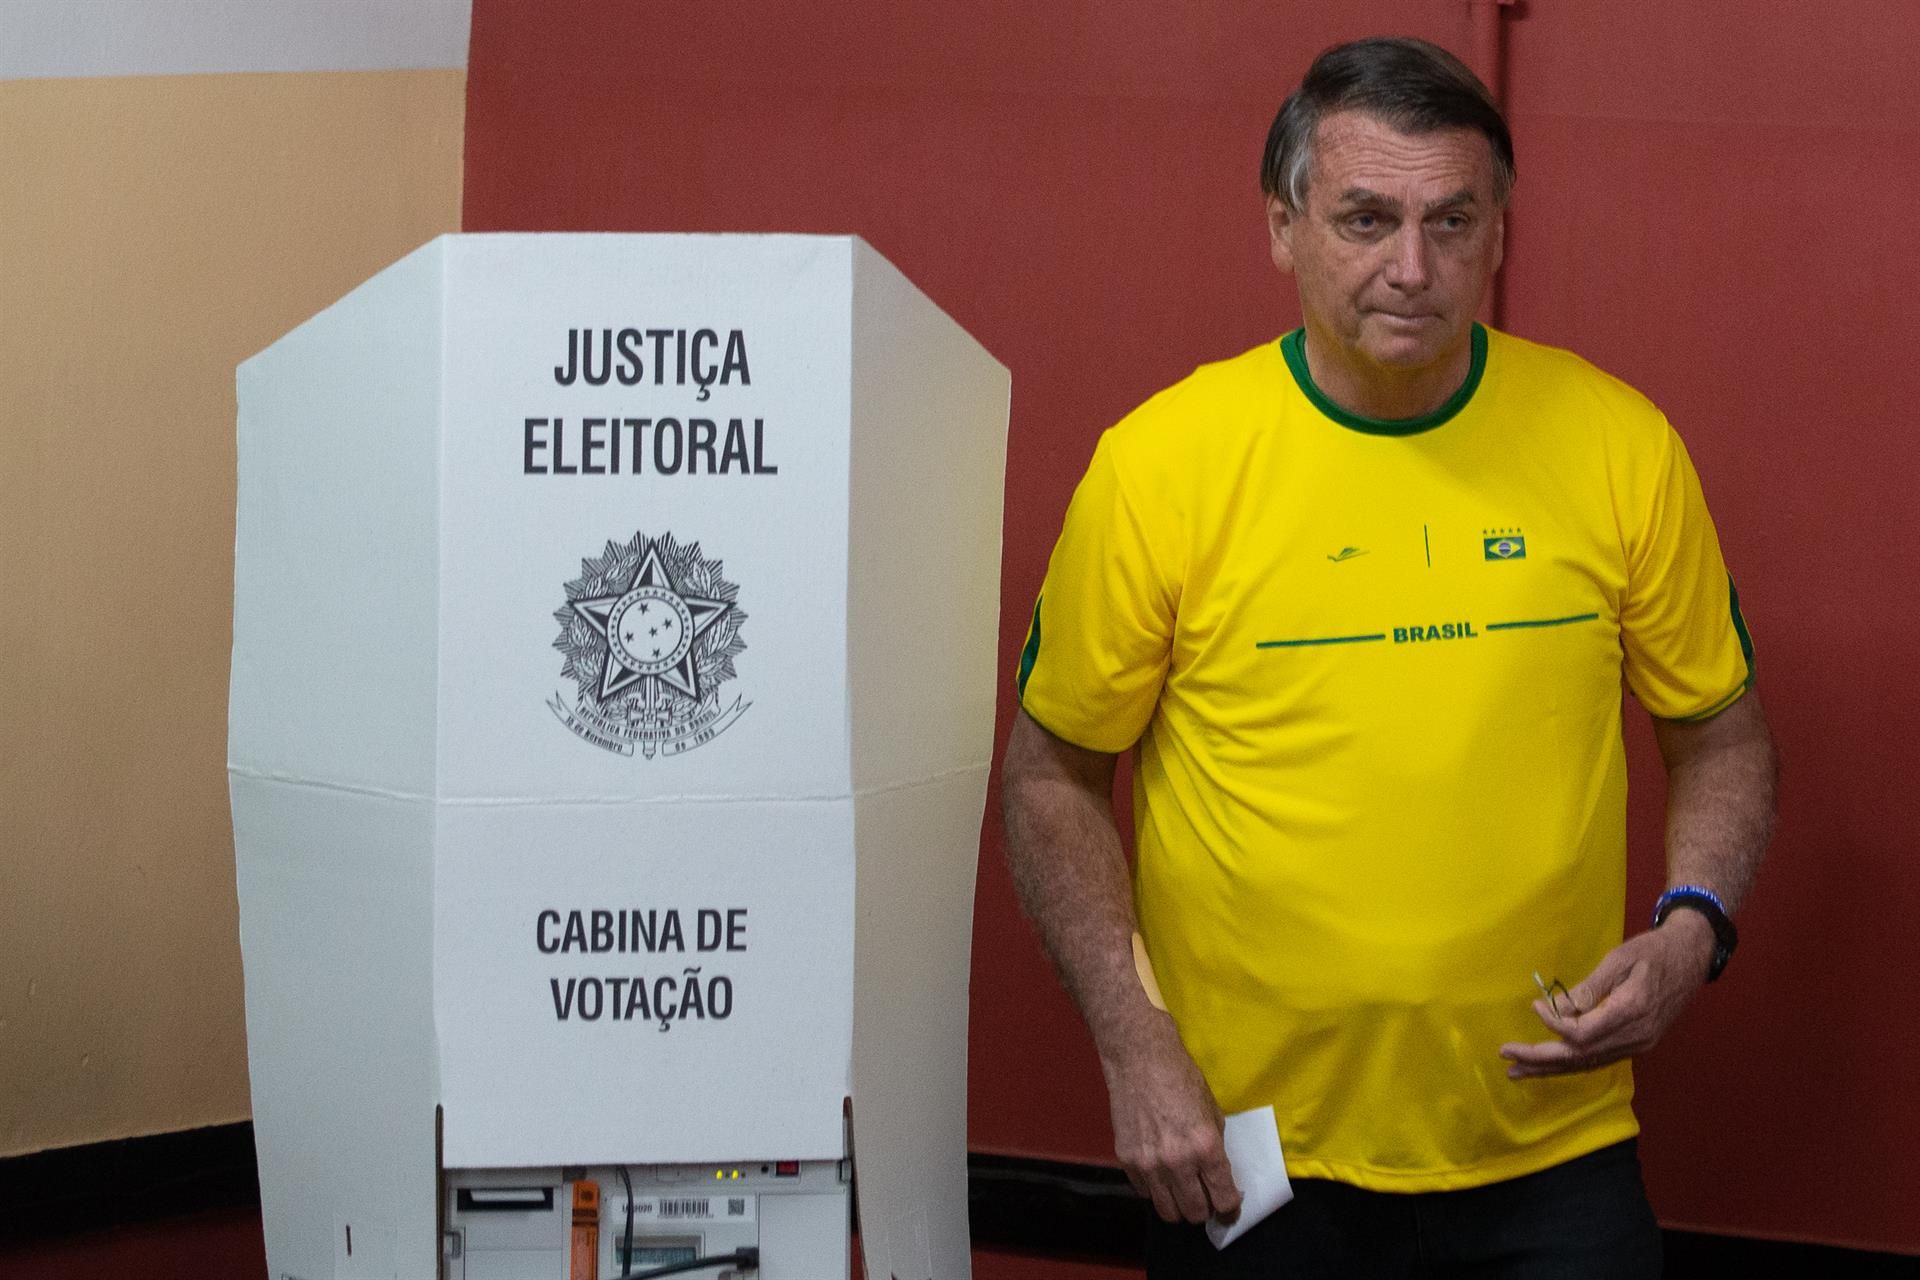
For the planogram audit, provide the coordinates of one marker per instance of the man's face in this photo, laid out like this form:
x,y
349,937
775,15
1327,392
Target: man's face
x,y
1398,241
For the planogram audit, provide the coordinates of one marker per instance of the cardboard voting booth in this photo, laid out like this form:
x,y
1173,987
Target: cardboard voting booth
x,y
613,687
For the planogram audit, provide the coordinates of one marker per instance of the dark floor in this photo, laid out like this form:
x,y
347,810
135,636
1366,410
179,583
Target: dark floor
x,y
226,1245
185,1206
208,1246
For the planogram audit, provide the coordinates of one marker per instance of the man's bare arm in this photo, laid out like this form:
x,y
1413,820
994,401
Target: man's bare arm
x,y
1722,783
1071,874
1722,776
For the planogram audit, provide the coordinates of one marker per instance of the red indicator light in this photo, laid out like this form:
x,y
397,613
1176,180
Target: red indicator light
x,y
786,1168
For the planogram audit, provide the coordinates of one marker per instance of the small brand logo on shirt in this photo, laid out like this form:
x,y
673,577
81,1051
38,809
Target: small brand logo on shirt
x,y
1347,553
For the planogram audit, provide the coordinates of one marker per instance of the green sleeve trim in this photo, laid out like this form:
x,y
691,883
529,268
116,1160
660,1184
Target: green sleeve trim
x,y
1721,705
1740,627
1028,654
1746,652
1294,347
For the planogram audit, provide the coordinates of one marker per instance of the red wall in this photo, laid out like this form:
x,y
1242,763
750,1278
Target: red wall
x,y
1716,204
1713,203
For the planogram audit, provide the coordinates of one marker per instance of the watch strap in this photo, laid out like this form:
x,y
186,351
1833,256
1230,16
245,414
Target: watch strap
x,y
1693,897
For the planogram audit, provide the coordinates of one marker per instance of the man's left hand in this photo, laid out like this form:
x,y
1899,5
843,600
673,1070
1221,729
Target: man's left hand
x,y
1623,1007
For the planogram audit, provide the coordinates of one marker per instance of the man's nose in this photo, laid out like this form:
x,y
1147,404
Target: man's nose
x,y
1408,267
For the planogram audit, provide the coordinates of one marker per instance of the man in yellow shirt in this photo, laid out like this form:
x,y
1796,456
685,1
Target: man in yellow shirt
x,y
1364,601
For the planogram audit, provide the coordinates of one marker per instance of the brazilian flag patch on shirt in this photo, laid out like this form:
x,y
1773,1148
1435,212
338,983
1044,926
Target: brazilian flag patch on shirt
x,y
1511,547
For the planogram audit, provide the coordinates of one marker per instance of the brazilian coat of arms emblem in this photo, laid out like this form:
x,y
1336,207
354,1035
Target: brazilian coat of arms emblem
x,y
649,632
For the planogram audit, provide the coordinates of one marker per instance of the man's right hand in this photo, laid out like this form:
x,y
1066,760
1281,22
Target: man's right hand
x,y
1071,875
1167,1129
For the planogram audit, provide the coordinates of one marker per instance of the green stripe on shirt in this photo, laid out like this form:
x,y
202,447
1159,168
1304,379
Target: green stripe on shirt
x,y
1029,654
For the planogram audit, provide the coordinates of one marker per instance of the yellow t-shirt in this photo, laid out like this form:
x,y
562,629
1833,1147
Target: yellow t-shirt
x,y
1374,674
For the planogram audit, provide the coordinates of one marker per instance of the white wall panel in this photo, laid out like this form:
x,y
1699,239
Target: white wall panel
x,y
42,39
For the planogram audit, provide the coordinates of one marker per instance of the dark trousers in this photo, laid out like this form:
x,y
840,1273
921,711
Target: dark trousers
x,y
1587,1219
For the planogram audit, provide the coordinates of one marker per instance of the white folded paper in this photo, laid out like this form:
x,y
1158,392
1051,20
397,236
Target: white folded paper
x,y
1253,1150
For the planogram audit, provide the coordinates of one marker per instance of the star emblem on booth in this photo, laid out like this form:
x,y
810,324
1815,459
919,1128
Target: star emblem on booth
x,y
650,630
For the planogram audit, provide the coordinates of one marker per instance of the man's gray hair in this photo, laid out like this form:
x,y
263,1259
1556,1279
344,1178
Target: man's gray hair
x,y
1410,84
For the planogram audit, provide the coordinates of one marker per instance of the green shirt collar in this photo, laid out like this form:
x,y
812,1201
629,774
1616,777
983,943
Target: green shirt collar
x,y
1294,347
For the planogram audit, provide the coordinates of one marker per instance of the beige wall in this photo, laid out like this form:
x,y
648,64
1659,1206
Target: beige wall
x,y
154,231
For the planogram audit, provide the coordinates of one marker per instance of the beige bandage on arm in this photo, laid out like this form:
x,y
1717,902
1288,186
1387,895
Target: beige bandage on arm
x,y
1144,967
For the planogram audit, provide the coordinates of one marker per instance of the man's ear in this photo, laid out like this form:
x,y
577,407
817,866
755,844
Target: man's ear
x,y
1280,225
1500,240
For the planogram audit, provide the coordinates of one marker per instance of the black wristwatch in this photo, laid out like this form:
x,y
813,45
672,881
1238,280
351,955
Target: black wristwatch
x,y
1692,897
